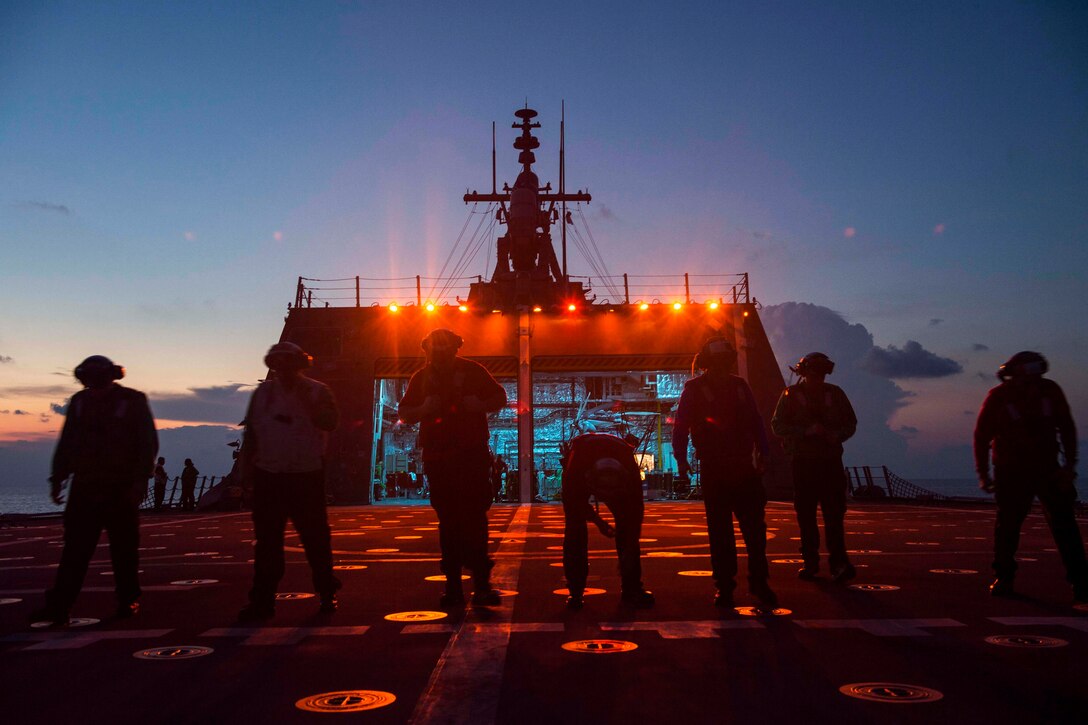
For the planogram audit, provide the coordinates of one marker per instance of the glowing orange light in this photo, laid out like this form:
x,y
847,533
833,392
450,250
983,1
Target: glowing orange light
x,y
677,306
537,309
713,305
463,308
572,307
644,306
393,307
746,313
430,307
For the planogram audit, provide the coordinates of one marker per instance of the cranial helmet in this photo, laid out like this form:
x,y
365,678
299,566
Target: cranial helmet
x,y
1023,364
442,339
815,363
97,370
716,352
287,356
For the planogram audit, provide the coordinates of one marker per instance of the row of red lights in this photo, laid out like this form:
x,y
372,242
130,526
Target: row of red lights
x,y
572,307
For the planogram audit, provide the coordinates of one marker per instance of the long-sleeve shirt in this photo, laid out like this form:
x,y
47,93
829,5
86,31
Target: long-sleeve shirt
x,y
721,418
287,429
1023,422
108,435
799,409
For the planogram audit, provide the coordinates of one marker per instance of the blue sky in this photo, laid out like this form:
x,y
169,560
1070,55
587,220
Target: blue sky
x,y
168,169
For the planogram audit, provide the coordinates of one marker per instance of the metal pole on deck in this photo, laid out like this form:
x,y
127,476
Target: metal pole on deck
x,y
525,406
687,289
356,290
626,291
419,292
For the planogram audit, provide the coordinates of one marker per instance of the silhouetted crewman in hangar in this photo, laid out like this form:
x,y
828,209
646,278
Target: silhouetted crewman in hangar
x,y
1027,422
283,454
107,447
603,466
814,418
719,411
450,398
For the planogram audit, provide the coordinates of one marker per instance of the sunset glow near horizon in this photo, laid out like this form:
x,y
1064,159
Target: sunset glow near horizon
x,y
167,171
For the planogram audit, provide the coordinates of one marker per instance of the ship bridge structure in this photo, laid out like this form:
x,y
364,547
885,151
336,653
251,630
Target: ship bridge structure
x,y
603,352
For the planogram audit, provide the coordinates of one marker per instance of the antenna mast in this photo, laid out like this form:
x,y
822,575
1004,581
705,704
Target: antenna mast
x,y
563,181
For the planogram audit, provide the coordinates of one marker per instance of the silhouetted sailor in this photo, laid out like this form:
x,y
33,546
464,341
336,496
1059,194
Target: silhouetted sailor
x,y
603,466
107,447
161,477
450,399
814,418
1027,423
719,411
189,474
283,453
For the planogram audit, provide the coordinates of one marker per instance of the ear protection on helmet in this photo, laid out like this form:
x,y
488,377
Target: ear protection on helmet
x,y
442,338
289,353
98,367
815,363
716,352
1023,364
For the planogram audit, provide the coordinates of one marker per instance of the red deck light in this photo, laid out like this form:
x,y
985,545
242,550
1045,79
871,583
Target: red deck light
x,y
677,306
430,307
644,306
463,308
538,308
713,305
393,307
572,307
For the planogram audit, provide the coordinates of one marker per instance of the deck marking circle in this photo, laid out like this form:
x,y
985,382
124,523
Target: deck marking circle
x,y
181,652
893,692
1026,641
72,622
192,582
762,611
407,537
421,616
600,646
346,701
202,553
863,551
349,567
556,563
874,587
442,577
288,596
1025,558
953,571
381,551
110,573
589,592
787,561
695,572
664,553
9,600
425,528
507,592
1081,607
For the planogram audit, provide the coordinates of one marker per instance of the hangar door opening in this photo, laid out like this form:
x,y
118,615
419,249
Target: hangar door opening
x,y
637,403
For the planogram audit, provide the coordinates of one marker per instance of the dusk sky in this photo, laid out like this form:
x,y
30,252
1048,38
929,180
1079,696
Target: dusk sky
x,y
916,172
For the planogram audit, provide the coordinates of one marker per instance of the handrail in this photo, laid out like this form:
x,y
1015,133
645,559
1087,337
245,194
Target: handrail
x,y
862,483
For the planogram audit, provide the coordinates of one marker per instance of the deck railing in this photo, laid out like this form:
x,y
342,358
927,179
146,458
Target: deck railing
x,y
172,498
864,482
610,289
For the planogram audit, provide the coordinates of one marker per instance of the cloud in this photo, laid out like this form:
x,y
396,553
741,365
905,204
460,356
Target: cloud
x,y
983,376
604,212
934,321
798,328
849,232
6,359
912,361
19,412
37,391
215,404
939,228
45,206
908,430
979,347
60,408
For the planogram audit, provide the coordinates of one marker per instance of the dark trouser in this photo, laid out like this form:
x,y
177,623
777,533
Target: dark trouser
x,y
627,511
820,482
188,496
727,494
461,496
160,493
1016,490
85,517
301,498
